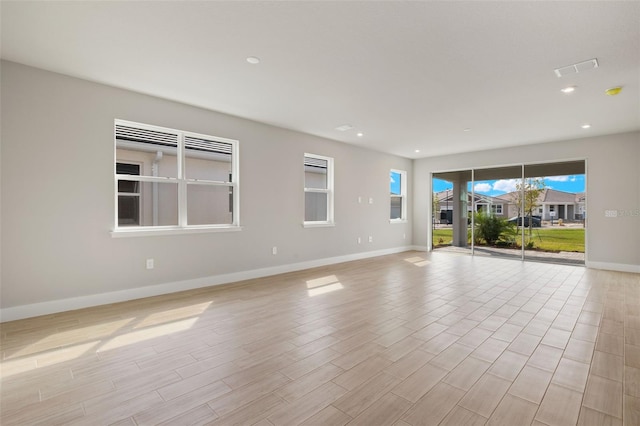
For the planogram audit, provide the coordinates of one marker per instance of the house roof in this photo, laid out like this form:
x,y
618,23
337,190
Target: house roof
x,y
443,196
550,196
555,196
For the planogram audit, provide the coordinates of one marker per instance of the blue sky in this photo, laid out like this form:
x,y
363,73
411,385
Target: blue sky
x,y
395,182
569,183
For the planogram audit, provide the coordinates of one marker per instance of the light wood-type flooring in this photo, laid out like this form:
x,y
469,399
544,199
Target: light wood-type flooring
x,y
406,339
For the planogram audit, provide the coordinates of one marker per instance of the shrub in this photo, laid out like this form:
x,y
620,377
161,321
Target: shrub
x,y
489,227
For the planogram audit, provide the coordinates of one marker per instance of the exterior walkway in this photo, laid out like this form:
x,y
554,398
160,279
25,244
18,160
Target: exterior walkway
x,y
567,257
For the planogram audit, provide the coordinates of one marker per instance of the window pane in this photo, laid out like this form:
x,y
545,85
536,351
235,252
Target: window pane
x,y
315,173
202,168
157,155
209,205
157,205
396,183
128,210
207,159
128,186
396,207
315,206
127,169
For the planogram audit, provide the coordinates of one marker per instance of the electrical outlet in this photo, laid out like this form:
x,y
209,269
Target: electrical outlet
x,y
370,200
370,239
149,263
274,250
359,240
359,200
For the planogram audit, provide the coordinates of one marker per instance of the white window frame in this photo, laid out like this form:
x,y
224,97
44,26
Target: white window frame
x,y
402,196
329,191
182,183
496,209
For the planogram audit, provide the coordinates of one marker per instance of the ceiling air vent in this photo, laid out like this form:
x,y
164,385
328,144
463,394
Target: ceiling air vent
x,y
577,68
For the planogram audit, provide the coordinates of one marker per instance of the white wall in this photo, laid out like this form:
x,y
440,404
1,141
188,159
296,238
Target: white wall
x,y
613,183
58,198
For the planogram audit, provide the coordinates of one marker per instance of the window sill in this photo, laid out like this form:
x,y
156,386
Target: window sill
x,y
318,224
397,220
146,232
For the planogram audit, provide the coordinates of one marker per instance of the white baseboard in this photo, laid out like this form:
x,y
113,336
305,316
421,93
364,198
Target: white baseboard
x,y
80,302
622,267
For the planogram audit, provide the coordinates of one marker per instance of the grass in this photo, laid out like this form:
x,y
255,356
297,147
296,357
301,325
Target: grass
x,y
442,237
546,239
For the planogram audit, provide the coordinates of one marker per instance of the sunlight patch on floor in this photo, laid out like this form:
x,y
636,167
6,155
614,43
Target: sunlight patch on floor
x,y
174,314
323,285
417,261
29,363
148,334
71,337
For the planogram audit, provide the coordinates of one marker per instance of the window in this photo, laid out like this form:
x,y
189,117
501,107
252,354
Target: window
x,y
170,179
318,190
398,190
496,208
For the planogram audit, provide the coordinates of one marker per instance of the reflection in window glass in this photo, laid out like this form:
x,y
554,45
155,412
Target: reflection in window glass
x,y
209,205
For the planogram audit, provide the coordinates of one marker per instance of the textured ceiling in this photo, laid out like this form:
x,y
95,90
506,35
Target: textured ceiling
x,y
409,75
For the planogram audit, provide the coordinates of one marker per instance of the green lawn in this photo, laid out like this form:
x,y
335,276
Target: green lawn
x,y
442,237
548,239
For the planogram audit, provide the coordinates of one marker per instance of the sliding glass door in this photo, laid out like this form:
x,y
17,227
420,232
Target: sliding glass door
x,y
526,211
554,212
494,207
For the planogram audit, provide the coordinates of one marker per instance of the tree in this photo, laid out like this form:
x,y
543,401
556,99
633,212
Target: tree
x,y
533,187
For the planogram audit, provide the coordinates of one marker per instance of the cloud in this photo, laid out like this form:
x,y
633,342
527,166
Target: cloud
x,y
506,185
557,178
482,187
392,179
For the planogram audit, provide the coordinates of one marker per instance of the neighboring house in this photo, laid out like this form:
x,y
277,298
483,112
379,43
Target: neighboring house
x,y
552,204
485,203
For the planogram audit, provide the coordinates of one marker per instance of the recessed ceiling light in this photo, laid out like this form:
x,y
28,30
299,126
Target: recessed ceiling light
x,y
586,126
613,91
569,89
417,150
344,127
360,134
253,60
